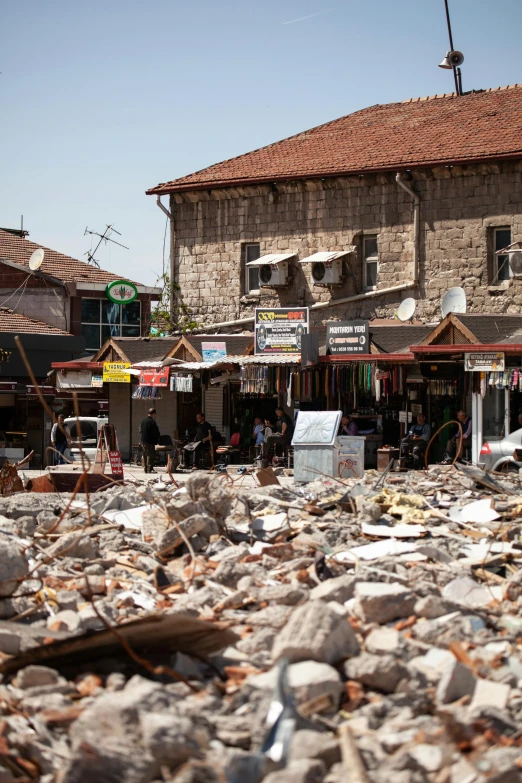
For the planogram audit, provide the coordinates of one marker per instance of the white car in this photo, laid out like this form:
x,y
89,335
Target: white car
x,y
89,427
500,454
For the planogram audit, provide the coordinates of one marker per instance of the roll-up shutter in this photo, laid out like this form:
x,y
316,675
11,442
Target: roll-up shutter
x,y
214,408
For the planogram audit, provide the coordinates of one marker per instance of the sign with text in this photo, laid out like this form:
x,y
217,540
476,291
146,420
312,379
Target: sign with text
x,y
212,352
484,362
155,377
116,372
280,329
97,380
116,463
347,337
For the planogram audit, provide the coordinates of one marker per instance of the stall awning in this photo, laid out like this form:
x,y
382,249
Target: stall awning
x,y
294,358
343,358
513,348
271,258
324,256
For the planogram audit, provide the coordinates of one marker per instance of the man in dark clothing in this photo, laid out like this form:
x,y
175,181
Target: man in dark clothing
x,y
417,439
282,431
150,436
60,438
202,440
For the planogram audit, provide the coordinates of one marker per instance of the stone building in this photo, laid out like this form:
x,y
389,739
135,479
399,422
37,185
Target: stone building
x,y
409,199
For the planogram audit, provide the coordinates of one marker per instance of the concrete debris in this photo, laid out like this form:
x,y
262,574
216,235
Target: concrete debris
x,y
217,632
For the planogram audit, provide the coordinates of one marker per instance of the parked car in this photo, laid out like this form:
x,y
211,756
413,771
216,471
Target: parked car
x,y
500,454
89,427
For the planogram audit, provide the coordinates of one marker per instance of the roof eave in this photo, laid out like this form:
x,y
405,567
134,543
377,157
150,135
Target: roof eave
x,y
168,188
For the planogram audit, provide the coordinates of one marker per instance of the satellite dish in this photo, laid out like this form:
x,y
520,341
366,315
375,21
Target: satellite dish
x,y
453,301
36,260
515,262
406,309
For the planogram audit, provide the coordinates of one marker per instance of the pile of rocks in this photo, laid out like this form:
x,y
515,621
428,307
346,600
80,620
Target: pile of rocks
x,y
374,633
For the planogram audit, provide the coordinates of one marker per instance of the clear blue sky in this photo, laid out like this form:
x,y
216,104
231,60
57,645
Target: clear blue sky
x,y
103,99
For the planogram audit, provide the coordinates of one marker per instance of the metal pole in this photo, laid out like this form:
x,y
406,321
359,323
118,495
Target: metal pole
x,y
457,90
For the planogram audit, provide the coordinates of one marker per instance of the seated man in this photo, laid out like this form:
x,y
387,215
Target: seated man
x,y
453,443
258,435
418,437
202,440
348,426
284,429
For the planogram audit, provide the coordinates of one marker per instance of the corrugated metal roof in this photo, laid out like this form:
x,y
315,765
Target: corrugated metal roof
x,y
271,258
241,360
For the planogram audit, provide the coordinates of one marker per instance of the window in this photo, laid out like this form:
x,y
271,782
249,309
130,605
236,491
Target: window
x,y
251,252
500,268
102,319
88,430
370,262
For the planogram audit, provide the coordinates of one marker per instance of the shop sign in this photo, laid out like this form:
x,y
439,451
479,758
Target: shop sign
x,y
58,405
74,379
154,377
403,417
212,352
280,330
121,292
347,337
484,362
48,391
116,463
416,409
181,383
116,372
7,386
97,380
382,375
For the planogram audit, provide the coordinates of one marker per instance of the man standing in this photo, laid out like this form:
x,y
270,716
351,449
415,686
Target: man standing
x,y
453,443
150,436
419,437
202,439
60,438
284,427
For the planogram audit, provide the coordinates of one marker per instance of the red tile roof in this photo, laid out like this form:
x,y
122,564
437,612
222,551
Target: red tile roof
x,y
69,270
444,129
20,324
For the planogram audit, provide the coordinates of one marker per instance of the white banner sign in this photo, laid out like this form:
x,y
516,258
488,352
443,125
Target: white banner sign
x,y
485,362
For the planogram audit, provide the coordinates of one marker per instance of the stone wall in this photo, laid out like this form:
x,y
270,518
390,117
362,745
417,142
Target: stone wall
x,y
459,208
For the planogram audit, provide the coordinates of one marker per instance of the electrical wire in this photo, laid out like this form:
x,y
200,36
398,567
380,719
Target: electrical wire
x,y
17,289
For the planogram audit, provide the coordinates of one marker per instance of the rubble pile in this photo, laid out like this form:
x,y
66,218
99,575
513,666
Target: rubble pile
x,y
366,631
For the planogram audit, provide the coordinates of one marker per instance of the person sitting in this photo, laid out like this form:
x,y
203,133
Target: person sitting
x,y
418,437
347,426
284,429
454,442
202,440
258,434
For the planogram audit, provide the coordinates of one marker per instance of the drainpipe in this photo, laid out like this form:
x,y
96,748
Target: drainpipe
x,y
416,223
320,305
172,269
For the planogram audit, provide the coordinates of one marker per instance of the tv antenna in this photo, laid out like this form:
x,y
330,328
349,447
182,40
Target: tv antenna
x,y
105,237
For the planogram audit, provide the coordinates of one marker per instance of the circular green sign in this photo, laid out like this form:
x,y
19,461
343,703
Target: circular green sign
x,y
121,291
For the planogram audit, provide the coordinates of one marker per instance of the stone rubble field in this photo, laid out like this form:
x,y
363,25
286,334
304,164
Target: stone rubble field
x,y
357,632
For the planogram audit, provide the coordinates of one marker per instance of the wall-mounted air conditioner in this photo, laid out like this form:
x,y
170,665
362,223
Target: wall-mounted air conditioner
x,y
327,268
273,269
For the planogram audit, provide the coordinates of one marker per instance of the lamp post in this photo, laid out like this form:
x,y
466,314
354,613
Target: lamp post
x,y
453,58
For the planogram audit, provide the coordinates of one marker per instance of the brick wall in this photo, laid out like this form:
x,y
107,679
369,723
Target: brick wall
x,y
459,207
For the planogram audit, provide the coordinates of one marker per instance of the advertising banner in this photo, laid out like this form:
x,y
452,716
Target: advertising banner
x,y
280,329
212,352
116,372
485,362
116,463
155,377
347,337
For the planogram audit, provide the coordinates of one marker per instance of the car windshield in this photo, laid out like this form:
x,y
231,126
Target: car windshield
x,y
88,431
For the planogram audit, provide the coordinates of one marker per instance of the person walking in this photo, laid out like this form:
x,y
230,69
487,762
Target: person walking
x,y
150,436
60,438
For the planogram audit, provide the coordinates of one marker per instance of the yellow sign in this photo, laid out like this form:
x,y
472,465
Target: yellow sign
x,y
116,372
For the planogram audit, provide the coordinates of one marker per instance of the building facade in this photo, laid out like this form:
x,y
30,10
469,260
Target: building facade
x,y
416,198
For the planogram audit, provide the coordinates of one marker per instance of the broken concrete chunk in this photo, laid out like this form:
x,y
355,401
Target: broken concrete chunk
x,y
466,592
456,681
490,694
10,642
309,680
338,589
299,771
13,566
384,640
197,524
379,672
380,602
314,631
33,676
77,545
308,744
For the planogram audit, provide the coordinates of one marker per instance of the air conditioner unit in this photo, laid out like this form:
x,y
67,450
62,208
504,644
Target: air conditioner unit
x,y
515,262
273,274
328,273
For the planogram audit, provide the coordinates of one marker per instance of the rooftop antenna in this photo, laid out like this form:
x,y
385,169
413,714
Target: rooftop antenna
x,y
105,237
453,58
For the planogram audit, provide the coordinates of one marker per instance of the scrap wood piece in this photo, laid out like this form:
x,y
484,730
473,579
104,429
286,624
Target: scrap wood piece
x,y
153,633
351,758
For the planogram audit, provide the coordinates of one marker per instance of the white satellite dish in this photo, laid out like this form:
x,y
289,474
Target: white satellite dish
x,y
36,260
406,309
453,301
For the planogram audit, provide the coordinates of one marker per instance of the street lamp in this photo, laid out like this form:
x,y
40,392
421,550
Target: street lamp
x,y
453,58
